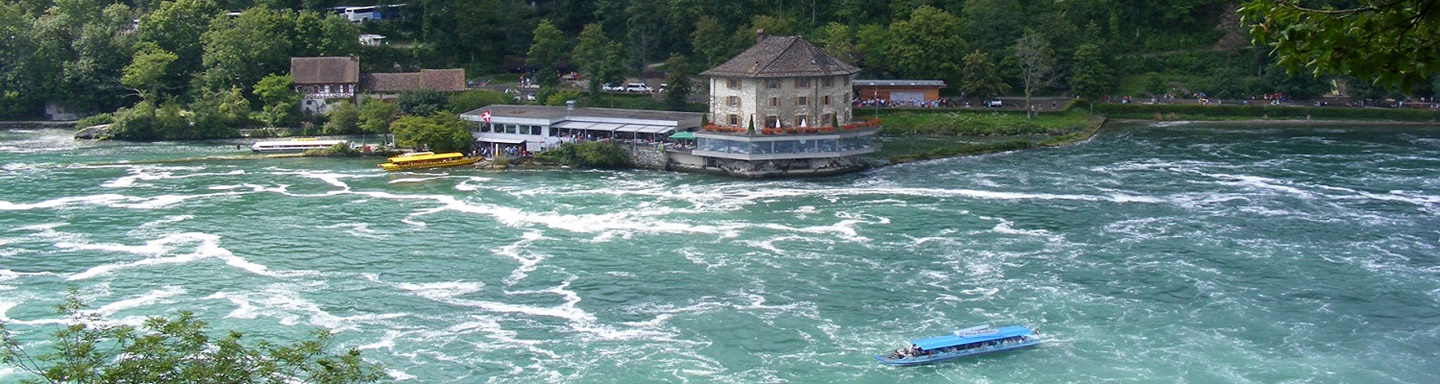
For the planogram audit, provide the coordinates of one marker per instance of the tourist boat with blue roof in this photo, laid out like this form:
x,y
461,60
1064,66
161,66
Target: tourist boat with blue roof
x,y
973,341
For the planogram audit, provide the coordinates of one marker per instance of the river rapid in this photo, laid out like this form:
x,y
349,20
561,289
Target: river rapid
x,y
1194,253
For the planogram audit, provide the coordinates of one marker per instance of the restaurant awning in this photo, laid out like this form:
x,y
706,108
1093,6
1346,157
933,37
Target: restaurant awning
x,y
683,136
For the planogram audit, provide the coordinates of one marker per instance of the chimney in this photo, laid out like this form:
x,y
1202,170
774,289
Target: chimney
x,y
759,35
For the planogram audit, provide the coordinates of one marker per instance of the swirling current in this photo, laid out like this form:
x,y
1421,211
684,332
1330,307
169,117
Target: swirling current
x,y
1194,253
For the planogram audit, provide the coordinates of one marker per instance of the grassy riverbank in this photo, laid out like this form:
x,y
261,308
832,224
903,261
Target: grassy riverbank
x,y
923,134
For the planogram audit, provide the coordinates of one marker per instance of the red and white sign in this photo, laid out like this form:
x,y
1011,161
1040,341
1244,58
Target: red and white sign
x,y
485,116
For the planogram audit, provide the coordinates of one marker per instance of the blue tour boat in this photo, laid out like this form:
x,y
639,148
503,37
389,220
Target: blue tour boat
x,y
971,341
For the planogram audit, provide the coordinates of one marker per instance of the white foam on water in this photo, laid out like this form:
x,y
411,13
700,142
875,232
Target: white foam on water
x,y
1260,183
204,246
414,180
357,230
148,298
399,375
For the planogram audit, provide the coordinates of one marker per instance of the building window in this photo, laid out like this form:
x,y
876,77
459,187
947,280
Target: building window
x,y
827,119
733,101
772,83
802,83
772,121
734,120
732,83
804,121
802,100
774,101
828,82
825,100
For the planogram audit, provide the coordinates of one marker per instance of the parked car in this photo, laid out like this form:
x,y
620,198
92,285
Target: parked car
x,y
612,88
993,103
637,87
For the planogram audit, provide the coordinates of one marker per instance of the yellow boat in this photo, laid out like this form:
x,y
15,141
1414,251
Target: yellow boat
x,y
426,160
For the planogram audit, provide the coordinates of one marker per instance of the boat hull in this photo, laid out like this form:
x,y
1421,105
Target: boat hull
x,y
943,356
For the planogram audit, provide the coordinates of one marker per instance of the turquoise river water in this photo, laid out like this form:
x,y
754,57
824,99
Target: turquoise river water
x,y
1191,253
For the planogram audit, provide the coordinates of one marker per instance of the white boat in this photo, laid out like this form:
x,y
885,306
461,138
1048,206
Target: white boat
x,y
295,145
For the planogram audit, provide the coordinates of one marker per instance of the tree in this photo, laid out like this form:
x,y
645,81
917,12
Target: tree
x,y
872,42
928,44
240,51
1092,78
990,24
711,43
838,40
979,79
147,71
441,132
376,116
598,59
421,102
17,90
1036,63
344,118
216,114
277,100
677,80
176,26
547,51
1389,42
177,350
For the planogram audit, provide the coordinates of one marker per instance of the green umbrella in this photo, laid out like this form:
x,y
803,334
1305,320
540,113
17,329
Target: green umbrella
x,y
683,136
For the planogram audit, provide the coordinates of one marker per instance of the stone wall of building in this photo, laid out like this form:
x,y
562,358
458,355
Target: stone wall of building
x,y
756,100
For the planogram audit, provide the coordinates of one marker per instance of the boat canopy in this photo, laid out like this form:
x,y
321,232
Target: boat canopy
x,y
971,335
430,157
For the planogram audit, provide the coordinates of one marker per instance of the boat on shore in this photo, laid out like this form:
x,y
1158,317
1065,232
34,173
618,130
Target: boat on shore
x,y
973,341
420,160
295,145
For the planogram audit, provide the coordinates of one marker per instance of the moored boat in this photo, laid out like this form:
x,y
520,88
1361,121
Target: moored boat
x,y
966,342
420,160
295,145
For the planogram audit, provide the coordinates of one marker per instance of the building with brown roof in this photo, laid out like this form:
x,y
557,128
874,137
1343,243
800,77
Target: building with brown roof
x,y
783,107
324,78
388,86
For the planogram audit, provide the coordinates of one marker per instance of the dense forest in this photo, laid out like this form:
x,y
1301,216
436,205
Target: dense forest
x,y
213,57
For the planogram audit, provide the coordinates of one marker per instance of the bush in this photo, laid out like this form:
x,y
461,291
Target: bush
x,y
593,154
93,120
462,102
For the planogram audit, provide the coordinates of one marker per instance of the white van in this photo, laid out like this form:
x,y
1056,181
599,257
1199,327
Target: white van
x,y
637,87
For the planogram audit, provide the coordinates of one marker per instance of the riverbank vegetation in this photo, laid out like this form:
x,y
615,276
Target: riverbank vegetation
x,y
175,349
198,56
590,154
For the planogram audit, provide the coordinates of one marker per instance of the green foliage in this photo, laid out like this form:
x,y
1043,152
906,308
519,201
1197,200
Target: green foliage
x,y
558,98
598,59
147,70
147,122
548,49
278,102
592,154
376,116
181,349
240,51
466,101
217,114
677,78
423,102
928,45
344,118
979,78
441,132
1092,77
1036,62
96,119
981,123
1390,42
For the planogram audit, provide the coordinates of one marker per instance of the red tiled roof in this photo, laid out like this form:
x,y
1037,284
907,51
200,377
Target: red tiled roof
x,y
325,70
782,56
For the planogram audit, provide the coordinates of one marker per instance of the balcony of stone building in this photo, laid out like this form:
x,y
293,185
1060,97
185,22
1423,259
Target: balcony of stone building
x,y
862,126
328,95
